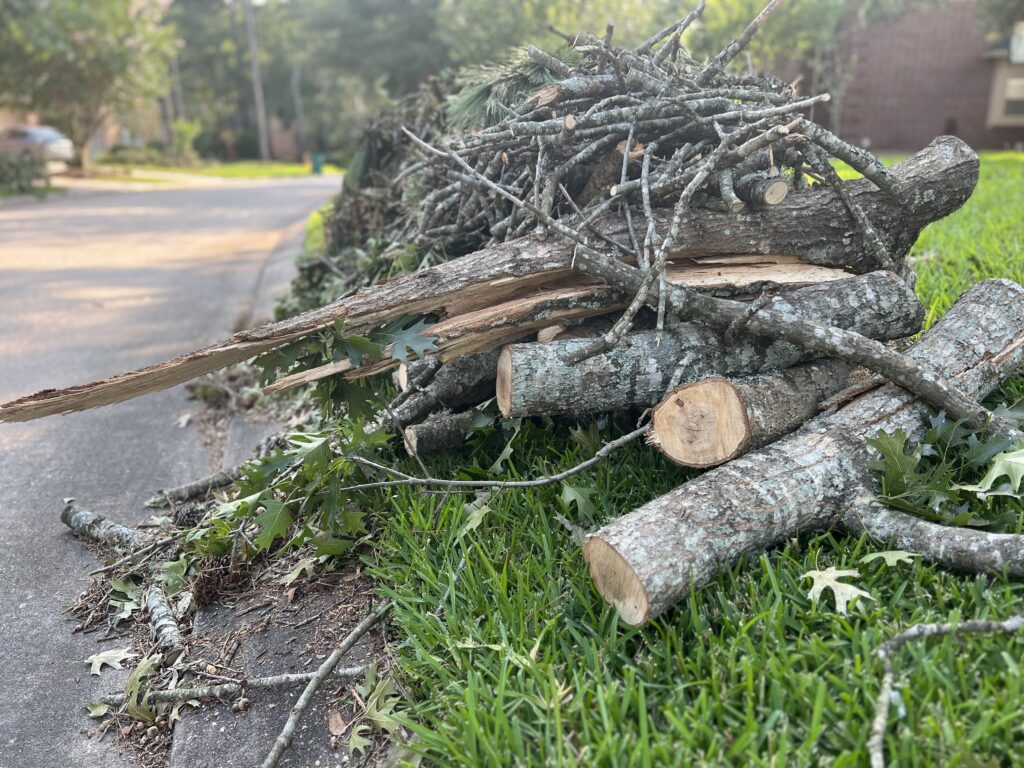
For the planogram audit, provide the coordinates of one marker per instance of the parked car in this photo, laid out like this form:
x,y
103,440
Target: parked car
x,y
48,144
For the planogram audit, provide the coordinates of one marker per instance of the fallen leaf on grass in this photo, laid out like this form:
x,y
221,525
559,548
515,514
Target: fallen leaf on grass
x,y
892,557
843,593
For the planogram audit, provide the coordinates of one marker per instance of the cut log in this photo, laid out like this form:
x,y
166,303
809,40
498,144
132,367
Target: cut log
x,y
440,432
460,383
407,373
760,190
711,421
647,560
533,379
942,177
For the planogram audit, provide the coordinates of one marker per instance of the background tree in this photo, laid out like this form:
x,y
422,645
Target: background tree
x,y
999,16
78,62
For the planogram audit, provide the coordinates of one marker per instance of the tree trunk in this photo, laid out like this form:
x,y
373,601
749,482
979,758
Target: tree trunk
x,y
300,113
533,379
649,559
815,226
711,421
257,80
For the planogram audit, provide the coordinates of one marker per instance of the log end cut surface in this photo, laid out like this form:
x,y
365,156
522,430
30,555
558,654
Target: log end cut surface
x,y
616,581
701,424
503,385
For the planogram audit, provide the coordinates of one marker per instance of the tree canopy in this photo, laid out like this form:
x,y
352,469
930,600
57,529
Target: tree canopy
x,y
77,62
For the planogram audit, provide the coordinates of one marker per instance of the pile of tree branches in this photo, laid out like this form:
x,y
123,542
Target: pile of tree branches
x,y
633,229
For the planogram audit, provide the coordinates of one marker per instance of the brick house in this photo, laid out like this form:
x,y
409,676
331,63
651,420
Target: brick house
x,y
933,72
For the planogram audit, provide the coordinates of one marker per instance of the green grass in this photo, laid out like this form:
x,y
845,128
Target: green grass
x,y
242,170
525,665
105,175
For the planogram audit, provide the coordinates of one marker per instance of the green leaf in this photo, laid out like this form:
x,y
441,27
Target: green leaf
x,y
1009,465
506,453
355,347
579,495
330,545
476,512
411,339
111,658
136,700
892,557
357,742
273,522
174,573
127,587
97,708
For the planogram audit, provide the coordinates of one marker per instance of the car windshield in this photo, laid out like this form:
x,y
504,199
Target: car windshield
x,y
49,134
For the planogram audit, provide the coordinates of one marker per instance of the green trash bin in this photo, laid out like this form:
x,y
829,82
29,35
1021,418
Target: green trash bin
x,y
317,161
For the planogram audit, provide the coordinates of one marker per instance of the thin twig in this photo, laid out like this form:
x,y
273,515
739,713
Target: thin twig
x,y
876,744
284,739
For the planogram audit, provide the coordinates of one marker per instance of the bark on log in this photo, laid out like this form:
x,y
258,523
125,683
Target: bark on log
x,y
711,421
533,379
163,624
761,190
462,382
201,487
814,225
960,549
440,432
649,559
97,528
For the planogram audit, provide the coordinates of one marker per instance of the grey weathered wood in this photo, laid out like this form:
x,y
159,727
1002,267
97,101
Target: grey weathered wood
x,y
649,559
711,421
438,432
813,225
163,624
960,549
466,381
97,528
534,380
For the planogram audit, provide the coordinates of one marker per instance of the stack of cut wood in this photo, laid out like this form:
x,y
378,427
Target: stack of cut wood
x,y
646,231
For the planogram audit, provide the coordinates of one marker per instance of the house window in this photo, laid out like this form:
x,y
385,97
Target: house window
x,y
1014,96
1006,105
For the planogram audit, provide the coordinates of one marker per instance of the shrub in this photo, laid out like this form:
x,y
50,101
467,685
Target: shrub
x,y
21,174
185,133
148,155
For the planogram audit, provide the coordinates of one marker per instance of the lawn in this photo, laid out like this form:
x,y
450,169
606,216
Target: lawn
x,y
506,655
239,170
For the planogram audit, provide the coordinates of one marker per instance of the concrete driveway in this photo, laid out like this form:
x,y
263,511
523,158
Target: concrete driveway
x,y
91,285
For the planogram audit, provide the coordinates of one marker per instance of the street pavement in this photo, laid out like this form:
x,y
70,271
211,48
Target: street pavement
x,y
92,284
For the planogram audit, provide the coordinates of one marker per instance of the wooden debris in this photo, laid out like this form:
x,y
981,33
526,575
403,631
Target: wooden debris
x,y
441,431
714,420
942,177
533,379
647,560
97,528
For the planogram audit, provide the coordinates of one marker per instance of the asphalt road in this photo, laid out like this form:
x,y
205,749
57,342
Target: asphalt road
x,y
91,285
